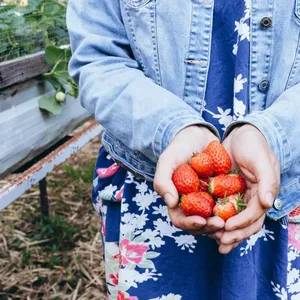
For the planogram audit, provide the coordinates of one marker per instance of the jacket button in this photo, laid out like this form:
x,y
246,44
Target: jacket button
x,y
266,22
278,204
263,86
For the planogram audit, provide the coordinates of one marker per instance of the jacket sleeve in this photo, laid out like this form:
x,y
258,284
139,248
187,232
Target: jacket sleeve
x,y
141,114
280,125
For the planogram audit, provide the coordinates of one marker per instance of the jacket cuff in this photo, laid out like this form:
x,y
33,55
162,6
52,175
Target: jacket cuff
x,y
172,124
277,138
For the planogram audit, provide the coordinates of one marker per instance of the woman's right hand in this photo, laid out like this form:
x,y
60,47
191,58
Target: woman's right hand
x,y
186,142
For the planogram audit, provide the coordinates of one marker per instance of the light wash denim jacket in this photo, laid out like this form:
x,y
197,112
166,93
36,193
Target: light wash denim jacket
x,y
142,66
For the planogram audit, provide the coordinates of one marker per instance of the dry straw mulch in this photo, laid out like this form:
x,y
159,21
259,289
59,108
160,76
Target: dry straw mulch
x,y
59,257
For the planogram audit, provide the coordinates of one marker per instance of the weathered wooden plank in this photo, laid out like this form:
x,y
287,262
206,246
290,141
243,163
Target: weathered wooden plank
x,y
21,69
26,131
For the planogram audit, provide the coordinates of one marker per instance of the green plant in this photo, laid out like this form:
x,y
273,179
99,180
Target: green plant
x,y
84,173
58,60
61,234
29,29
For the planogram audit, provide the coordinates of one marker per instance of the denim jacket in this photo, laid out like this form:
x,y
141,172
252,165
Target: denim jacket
x,y
142,67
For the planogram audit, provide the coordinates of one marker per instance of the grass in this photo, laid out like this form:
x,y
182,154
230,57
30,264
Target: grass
x,y
60,256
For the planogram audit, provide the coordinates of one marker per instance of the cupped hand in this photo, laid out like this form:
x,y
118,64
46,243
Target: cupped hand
x,y
252,156
189,140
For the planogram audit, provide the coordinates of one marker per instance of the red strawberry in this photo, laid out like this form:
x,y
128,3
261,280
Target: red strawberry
x,y
202,164
238,201
197,204
228,207
204,184
224,210
186,180
220,158
226,185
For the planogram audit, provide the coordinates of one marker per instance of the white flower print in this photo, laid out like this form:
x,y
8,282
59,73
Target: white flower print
x,y
279,292
142,187
186,242
264,233
242,29
239,108
145,200
224,116
124,207
165,228
238,83
168,297
132,222
161,210
107,192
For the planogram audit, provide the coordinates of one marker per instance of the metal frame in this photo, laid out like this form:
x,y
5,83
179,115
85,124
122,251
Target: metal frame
x,y
13,190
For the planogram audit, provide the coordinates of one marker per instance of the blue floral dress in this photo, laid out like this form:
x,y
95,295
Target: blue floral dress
x,y
146,257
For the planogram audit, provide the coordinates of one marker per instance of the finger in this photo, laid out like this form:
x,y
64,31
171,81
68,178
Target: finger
x,y
217,235
213,224
248,216
181,221
225,249
236,236
163,183
267,181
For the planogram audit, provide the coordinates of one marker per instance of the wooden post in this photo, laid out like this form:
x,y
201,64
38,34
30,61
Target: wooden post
x,y
44,197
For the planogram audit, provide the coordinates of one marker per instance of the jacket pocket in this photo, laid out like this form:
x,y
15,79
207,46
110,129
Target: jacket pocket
x,y
137,3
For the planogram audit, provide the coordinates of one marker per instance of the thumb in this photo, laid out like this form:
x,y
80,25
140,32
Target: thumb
x,y
268,186
163,183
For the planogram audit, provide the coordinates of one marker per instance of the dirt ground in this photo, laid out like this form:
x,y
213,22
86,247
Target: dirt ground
x,y
56,257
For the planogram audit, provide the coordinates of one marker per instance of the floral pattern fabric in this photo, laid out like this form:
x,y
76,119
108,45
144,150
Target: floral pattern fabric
x,y
146,257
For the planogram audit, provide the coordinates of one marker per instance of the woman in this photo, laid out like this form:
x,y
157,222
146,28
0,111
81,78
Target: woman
x,y
164,78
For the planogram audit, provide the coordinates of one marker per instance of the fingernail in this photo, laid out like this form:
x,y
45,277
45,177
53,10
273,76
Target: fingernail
x,y
198,225
269,199
169,199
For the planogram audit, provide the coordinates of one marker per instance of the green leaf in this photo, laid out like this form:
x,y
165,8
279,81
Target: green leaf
x,y
49,104
55,83
53,54
73,92
52,8
3,47
17,21
151,254
147,264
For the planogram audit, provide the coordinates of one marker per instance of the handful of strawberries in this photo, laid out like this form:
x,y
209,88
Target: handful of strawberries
x,y
206,185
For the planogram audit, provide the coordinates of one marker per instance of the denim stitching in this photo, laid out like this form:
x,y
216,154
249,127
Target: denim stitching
x,y
294,67
154,43
134,39
137,3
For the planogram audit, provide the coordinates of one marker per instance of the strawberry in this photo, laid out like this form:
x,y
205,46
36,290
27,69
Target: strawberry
x,y
202,164
186,180
225,210
220,158
226,185
204,181
229,206
237,200
197,204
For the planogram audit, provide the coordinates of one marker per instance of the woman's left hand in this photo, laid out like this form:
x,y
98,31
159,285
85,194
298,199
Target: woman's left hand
x,y
252,156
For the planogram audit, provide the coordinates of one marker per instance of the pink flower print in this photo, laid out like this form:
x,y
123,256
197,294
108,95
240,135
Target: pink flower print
x,y
294,235
103,228
108,172
119,194
114,278
122,296
132,252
